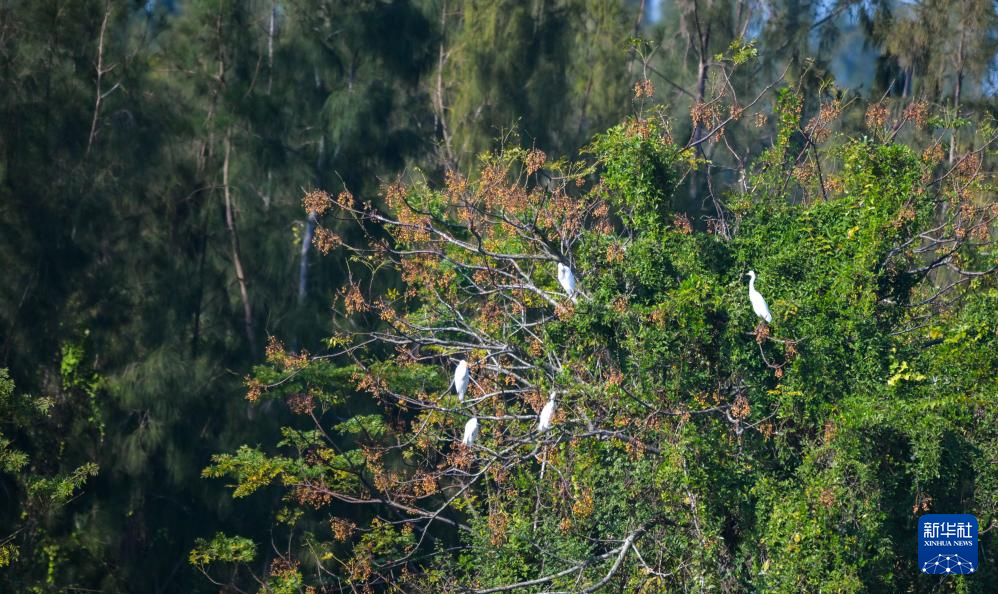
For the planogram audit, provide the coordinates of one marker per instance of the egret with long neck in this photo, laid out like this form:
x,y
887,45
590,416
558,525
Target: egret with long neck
x,y
758,301
461,379
567,280
470,431
546,415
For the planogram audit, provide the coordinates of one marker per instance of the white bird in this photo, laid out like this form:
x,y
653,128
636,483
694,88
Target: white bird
x,y
567,280
546,413
461,379
470,431
758,301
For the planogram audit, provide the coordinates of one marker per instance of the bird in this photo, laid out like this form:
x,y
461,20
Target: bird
x,y
758,301
567,280
470,431
461,379
546,413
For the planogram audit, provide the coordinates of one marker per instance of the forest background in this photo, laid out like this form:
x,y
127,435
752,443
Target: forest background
x,y
154,157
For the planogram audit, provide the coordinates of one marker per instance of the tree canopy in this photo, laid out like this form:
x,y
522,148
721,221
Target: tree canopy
x,y
327,204
694,446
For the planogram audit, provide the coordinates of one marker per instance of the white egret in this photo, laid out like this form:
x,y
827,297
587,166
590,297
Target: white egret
x,y
461,379
567,280
470,431
758,302
546,413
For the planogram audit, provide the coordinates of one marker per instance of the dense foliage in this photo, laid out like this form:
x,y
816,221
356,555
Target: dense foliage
x,y
43,493
153,158
694,447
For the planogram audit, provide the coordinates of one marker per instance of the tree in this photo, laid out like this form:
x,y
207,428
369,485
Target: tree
x,y
552,72
36,490
153,158
694,447
944,46
142,231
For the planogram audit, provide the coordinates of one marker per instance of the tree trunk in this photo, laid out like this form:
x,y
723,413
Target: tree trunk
x,y
701,90
196,336
100,76
703,68
437,98
306,243
230,221
956,97
270,47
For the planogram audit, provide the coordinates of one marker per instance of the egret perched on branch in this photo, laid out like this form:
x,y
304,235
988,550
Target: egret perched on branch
x,y
567,280
758,302
470,431
461,379
546,413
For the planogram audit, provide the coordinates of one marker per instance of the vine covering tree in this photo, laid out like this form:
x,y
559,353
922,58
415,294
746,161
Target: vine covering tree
x,y
153,159
694,446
